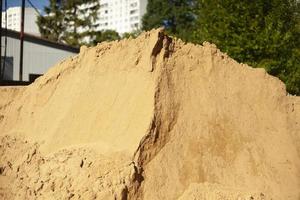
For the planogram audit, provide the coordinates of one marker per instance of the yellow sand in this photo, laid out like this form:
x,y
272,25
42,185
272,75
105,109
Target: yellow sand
x,y
150,118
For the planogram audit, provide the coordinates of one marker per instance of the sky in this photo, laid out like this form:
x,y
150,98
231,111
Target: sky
x,y
37,3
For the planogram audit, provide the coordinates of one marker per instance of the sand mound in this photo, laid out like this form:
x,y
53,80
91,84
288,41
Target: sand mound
x,y
150,118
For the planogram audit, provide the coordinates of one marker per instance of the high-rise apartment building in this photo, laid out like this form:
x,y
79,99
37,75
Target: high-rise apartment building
x,y
14,20
121,15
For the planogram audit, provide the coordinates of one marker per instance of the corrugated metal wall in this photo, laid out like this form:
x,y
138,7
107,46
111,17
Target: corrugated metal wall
x,y
38,57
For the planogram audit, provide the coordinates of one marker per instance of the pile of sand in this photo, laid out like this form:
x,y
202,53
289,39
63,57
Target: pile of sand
x,y
150,118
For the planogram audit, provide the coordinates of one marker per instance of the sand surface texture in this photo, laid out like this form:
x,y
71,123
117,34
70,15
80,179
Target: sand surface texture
x,y
150,118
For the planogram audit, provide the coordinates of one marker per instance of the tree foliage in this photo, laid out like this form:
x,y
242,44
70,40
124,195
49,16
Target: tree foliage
x,y
51,25
106,35
133,34
69,21
177,16
262,33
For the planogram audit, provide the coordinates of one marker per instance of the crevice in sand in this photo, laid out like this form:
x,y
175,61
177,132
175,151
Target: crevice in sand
x,y
165,112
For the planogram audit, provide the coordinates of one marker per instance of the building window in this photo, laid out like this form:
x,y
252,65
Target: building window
x,y
134,18
105,5
133,4
133,12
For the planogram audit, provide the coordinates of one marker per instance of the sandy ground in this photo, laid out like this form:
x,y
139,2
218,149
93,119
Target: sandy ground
x,y
150,118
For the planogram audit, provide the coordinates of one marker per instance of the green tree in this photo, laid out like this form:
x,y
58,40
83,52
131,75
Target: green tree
x,y
51,24
177,16
133,34
69,21
106,35
262,33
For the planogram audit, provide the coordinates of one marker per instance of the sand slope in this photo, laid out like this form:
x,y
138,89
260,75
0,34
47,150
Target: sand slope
x,y
150,118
